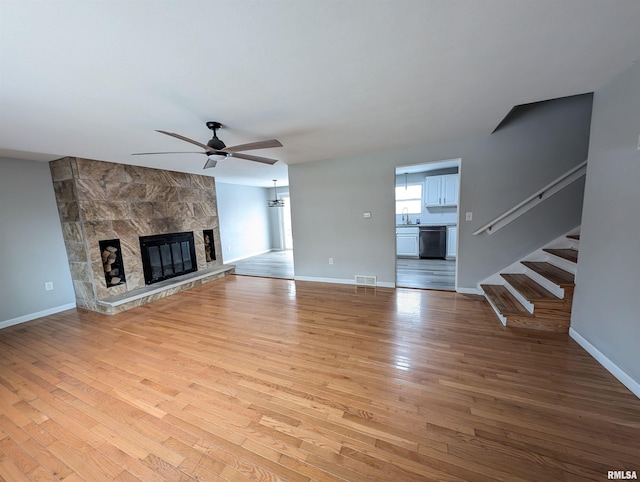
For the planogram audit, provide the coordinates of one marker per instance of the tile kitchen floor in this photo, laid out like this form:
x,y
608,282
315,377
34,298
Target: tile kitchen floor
x,y
274,264
437,274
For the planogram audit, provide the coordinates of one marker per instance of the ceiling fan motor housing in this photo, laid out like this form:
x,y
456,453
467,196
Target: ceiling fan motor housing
x,y
215,143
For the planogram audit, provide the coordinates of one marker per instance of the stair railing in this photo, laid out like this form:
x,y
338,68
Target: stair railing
x,y
532,201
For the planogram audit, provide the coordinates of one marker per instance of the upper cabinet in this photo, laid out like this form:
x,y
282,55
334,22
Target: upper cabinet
x,y
441,190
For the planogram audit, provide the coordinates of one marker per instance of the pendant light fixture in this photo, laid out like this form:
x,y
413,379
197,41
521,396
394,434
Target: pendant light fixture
x,y
276,203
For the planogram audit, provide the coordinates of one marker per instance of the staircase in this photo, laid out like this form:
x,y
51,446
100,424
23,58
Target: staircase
x,y
538,293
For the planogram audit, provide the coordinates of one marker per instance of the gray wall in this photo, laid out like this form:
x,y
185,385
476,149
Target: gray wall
x,y
31,244
497,171
605,309
245,220
327,204
276,219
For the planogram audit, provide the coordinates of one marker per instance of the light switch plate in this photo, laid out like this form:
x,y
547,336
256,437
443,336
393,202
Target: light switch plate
x,y
469,216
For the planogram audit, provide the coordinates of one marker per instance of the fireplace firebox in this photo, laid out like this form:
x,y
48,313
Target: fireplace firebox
x,y
166,256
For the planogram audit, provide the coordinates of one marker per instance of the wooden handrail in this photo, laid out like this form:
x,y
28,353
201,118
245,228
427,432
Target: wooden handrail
x,y
549,190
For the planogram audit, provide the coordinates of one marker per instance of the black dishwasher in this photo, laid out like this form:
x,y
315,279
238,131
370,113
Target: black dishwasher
x,y
433,241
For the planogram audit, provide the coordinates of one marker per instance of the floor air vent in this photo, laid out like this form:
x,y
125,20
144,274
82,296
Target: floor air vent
x,y
365,280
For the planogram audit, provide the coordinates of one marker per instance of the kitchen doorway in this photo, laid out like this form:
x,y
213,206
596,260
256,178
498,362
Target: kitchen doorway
x,y
426,224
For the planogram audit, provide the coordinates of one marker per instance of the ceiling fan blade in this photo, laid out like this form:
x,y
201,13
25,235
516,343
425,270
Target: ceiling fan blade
x,y
254,145
210,163
186,139
249,157
179,152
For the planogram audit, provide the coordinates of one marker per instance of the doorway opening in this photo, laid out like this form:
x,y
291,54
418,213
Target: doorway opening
x,y
426,224
277,261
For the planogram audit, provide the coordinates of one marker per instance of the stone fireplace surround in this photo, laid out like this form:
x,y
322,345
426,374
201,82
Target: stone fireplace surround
x,y
100,201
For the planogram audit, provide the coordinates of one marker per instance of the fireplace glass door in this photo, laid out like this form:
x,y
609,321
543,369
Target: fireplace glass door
x,y
167,255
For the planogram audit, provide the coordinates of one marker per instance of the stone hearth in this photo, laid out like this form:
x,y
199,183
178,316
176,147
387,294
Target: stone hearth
x,y
100,201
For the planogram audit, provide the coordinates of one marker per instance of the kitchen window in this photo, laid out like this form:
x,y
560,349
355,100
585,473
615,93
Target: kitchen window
x,y
409,197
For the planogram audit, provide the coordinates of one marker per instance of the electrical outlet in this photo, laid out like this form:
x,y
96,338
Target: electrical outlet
x,y
48,286
469,216
330,260
366,215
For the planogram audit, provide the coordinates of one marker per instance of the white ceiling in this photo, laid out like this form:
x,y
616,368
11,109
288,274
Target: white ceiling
x,y
328,78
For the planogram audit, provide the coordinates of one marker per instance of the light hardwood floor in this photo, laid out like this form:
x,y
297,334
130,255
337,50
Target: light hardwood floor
x,y
266,379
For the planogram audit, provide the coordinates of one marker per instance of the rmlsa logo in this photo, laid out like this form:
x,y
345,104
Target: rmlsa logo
x,y
622,475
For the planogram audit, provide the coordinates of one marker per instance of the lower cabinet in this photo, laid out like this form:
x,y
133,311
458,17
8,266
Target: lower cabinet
x,y
407,242
452,241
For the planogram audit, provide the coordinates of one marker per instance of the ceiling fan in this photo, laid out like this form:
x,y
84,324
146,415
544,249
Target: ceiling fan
x,y
215,147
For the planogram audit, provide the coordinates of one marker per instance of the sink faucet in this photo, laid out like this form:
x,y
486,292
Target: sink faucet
x,y
405,215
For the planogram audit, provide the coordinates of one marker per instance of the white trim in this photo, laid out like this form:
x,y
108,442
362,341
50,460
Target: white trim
x,y
501,317
611,367
39,314
544,282
341,281
518,296
315,279
469,291
386,284
561,263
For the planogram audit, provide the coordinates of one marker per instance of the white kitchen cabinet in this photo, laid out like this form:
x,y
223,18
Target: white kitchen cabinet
x,y
450,190
452,241
407,242
433,189
441,190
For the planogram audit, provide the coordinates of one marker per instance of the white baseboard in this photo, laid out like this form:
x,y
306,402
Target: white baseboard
x,y
341,281
39,314
385,284
625,379
469,291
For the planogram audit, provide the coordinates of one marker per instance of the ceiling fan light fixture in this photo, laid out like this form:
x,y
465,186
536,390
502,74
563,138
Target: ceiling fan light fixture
x,y
276,203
